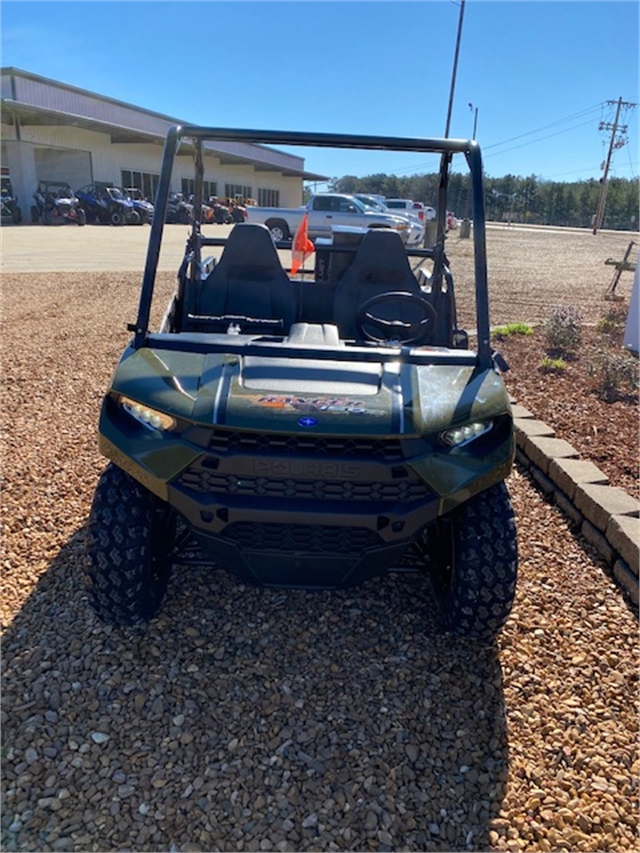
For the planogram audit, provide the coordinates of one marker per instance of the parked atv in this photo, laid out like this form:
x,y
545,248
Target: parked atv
x,y
178,209
10,211
238,212
310,432
141,205
208,212
107,205
221,212
56,204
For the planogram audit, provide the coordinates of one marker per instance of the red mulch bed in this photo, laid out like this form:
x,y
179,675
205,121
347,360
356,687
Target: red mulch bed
x,y
568,400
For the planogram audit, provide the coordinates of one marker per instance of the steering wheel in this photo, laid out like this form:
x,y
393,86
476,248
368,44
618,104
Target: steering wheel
x,y
405,331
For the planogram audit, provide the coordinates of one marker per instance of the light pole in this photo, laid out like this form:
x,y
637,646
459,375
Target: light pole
x,y
474,110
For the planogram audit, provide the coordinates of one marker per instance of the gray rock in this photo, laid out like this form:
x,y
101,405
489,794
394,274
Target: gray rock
x,y
100,737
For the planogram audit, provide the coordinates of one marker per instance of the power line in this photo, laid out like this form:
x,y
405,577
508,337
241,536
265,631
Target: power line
x,y
485,148
506,150
541,139
632,167
584,112
596,107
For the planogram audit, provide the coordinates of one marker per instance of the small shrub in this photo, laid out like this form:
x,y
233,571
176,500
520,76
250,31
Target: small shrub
x,y
613,321
563,329
606,326
616,314
552,365
512,329
615,373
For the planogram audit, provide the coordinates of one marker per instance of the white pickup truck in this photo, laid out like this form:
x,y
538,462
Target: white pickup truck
x,y
327,210
412,208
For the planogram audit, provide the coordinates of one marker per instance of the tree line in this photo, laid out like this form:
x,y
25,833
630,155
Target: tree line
x,y
512,198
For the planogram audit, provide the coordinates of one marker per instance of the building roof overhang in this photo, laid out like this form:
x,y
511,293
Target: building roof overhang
x,y
16,113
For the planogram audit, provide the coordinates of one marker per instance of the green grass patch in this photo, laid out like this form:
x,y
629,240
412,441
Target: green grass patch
x,y
512,329
553,365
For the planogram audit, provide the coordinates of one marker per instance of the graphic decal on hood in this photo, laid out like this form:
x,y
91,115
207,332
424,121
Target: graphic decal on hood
x,y
313,404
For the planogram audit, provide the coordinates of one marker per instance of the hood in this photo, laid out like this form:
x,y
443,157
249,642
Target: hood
x,y
296,395
386,217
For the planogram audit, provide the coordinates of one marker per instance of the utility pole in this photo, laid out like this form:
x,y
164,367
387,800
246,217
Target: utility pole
x,y
616,142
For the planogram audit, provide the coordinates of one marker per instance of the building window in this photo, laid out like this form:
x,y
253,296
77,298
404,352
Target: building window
x,y
209,188
146,182
237,191
269,198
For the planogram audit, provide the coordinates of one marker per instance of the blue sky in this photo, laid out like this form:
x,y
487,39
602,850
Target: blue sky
x,y
539,73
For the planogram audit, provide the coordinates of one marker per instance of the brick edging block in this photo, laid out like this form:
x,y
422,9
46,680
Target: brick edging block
x,y
623,532
608,517
529,427
568,473
542,450
600,503
627,580
518,412
599,541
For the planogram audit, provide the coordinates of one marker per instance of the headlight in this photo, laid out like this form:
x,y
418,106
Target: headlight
x,y
150,418
464,434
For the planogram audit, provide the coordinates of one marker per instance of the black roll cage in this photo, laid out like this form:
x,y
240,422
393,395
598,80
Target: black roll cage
x,y
178,135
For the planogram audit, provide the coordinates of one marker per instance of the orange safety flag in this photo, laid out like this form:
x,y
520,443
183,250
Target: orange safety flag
x,y
302,245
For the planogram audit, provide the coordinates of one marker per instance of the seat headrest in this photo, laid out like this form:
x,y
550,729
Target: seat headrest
x,y
381,259
250,243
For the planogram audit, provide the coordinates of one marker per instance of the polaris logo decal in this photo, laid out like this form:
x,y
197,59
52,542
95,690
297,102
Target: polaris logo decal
x,y
294,468
307,422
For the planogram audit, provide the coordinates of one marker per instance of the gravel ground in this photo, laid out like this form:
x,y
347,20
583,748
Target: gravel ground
x,y
247,719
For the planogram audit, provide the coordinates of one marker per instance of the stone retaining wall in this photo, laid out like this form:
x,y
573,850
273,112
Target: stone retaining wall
x,y
606,515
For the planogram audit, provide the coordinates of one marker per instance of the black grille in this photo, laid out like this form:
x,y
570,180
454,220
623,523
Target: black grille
x,y
202,481
308,539
225,441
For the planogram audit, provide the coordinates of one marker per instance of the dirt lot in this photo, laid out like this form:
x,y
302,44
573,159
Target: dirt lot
x,y
531,271
246,719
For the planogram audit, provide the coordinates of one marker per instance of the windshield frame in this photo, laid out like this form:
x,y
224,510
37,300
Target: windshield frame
x,y
193,138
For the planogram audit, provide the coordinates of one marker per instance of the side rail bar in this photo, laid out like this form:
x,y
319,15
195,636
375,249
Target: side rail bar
x,y
474,158
171,145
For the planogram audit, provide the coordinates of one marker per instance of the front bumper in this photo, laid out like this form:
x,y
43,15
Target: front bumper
x,y
318,521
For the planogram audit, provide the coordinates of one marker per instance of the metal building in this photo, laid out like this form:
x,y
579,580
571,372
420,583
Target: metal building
x,y
56,132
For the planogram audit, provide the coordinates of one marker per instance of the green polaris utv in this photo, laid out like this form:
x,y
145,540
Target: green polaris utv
x,y
308,431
